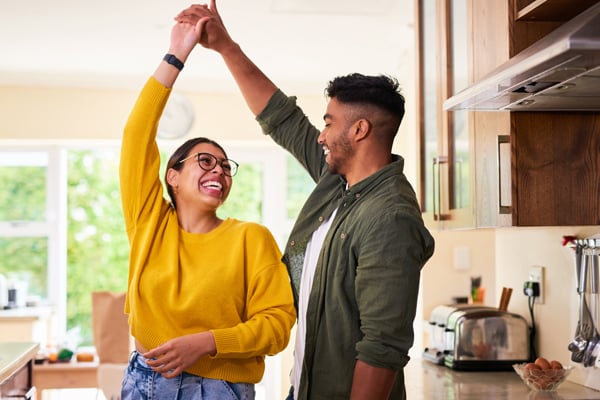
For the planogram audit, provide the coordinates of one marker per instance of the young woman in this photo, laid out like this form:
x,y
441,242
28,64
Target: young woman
x,y
207,298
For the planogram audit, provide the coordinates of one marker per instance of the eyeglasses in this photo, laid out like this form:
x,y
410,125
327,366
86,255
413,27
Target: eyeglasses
x,y
208,162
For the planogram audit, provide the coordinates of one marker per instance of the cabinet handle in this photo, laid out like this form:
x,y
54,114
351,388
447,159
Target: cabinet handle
x,y
459,182
437,189
29,394
504,199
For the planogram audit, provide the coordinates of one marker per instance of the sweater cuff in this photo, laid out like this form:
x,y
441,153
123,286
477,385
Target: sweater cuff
x,y
226,341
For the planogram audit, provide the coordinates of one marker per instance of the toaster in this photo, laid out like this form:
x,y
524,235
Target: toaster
x,y
471,337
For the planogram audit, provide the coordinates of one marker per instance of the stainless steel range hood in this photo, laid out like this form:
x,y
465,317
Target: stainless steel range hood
x,y
560,72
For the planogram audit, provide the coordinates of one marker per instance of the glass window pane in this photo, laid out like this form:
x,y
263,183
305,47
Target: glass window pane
x,y
299,187
25,263
97,245
460,169
459,41
245,199
430,63
23,183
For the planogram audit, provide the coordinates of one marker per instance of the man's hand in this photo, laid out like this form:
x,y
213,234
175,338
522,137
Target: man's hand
x,y
173,357
214,35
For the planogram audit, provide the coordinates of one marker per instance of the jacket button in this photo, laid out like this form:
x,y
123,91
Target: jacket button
x,y
343,235
292,242
321,219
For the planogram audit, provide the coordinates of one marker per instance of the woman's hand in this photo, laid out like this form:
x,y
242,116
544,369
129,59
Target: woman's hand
x,y
214,35
184,37
173,357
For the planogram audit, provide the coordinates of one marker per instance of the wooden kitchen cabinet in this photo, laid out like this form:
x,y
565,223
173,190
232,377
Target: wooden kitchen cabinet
x,y
549,10
489,29
557,168
35,324
446,177
555,155
16,366
551,172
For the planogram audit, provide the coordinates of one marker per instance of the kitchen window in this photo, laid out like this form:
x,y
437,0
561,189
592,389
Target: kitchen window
x,y
31,249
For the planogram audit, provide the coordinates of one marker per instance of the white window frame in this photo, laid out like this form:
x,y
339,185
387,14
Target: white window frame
x,y
54,228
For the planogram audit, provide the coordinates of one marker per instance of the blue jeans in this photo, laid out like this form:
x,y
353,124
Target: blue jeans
x,y
142,383
290,395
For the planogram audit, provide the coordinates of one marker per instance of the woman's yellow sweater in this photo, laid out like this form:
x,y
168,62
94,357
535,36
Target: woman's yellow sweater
x,y
230,281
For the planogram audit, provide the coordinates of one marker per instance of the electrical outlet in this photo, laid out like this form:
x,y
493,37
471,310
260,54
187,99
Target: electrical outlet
x,y
536,274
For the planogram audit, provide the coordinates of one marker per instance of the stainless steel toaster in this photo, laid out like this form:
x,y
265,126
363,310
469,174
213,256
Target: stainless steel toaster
x,y
477,338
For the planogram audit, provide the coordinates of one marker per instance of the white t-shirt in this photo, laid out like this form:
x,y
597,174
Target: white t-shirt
x,y
313,249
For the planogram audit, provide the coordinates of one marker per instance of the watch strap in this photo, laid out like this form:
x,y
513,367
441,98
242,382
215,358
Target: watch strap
x,y
174,61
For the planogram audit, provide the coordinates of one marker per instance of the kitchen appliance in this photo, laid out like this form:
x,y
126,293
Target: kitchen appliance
x,y
439,346
560,72
3,292
472,337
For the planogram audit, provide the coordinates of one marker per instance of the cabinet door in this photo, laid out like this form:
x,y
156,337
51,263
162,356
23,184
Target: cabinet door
x,y
557,168
19,384
446,172
428,116
555,155
491,130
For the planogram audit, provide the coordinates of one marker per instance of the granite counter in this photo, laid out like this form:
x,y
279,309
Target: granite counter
x,y
427,381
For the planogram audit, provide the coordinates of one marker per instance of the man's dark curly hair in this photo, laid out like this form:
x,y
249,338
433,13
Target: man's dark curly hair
x,y
380,91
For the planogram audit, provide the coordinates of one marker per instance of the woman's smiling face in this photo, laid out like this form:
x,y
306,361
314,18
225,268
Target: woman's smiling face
x,y
207,185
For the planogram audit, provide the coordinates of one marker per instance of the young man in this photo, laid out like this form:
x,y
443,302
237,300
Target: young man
x,y
358,246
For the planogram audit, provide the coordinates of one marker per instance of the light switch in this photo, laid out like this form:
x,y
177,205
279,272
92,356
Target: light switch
x,y
462,257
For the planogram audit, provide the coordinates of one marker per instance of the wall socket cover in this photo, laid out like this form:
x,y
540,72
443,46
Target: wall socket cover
x,y
536,274
462,257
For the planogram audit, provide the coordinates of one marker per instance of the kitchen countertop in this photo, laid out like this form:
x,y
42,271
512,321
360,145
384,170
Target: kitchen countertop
x,y
20,313
427,381
14,355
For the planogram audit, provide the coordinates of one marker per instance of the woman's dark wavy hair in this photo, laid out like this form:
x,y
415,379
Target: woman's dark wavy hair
x,y
379,90
182,152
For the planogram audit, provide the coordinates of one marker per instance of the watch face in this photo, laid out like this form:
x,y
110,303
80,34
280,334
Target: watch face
x,y
177,118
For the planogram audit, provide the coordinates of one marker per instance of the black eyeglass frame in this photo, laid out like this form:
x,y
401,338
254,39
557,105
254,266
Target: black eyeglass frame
x,y
229,167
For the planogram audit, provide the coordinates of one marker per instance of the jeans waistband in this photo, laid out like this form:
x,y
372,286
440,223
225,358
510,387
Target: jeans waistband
x,y
136,360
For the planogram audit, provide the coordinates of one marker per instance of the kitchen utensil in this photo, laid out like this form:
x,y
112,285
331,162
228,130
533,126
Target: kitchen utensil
x,y
585,329
579,343
592,348
594,289
505,298
576,347
591,351
587,325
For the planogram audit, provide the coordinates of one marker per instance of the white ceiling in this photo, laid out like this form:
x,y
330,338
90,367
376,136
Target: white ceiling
x,y
118,43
